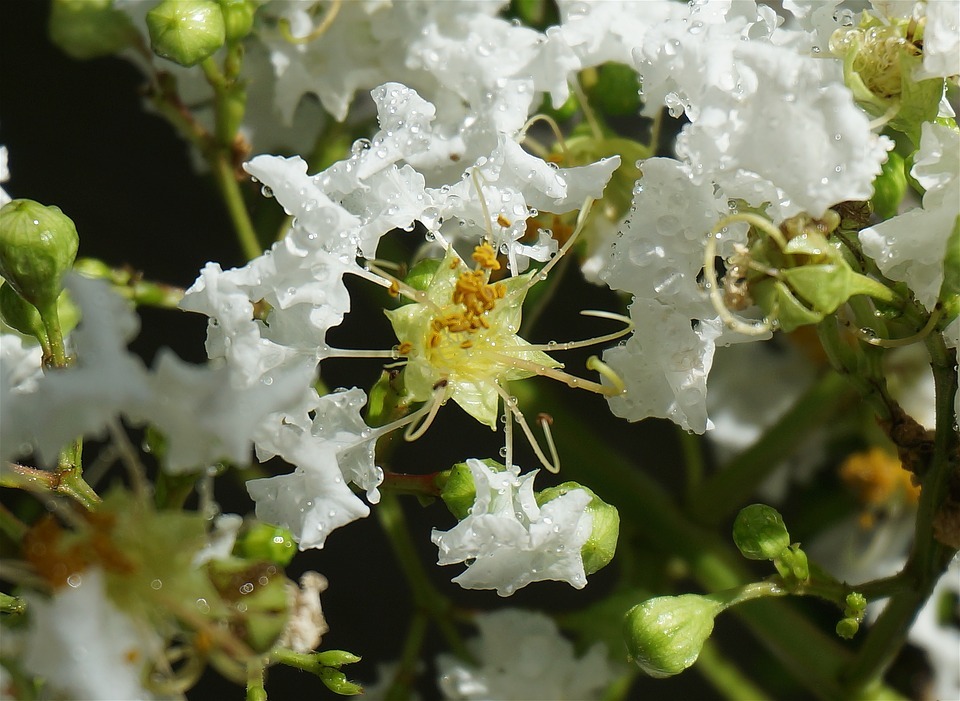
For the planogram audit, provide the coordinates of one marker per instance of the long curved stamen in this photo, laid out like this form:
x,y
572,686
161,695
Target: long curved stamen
x,y
710,272
594,363
415,431
868,337
581,222
475,178
318,31
508,437
554,374
328,352
510,404
557,134
385,279
585,343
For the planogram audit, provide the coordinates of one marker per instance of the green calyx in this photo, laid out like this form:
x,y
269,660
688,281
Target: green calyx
x,y
19,314
38,244
664,635
601,546
458,491
797,274
186,31
85,29
237,18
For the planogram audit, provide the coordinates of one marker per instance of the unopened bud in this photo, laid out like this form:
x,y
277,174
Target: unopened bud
x,y
266,542
600,547
760,533
336,658
664,635
890,186
85,29
459,492
186,31
237,18
37,247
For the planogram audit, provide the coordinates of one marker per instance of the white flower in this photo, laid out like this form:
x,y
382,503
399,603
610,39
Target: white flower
x,y
523,657
911,247
207,413
509,541
105,381
941,40
4,175
84,647
316,498
306,625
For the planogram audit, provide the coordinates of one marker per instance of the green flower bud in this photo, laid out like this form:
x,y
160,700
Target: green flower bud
x,y
664,635
847,628
458,491
237,18
266,542
889,187
421,274
37,246
336,658
617,90
19,314
258,599
85,29
600,547
338,683
186,31
760,533
856,604
793,566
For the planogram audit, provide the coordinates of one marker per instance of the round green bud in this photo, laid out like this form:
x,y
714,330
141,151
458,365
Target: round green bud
x,y
847,628
458,490
600,547
266,542
186,31
19,314
890,186
37,247
617,90
85,29
664,635
336,658
760,533
338,683
237,18
856,604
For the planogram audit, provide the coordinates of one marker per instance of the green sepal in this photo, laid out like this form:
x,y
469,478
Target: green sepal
x,y
458,491
889,187
793,566
19,314
336,658
387,400
85,29
186,31
759,532
600,547
777,302
664,635
422,273
825,287
337,682
919,99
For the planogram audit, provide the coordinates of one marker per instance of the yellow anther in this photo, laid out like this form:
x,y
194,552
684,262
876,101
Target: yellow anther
x,y
485,256
466,344
503,221
394,289
405,348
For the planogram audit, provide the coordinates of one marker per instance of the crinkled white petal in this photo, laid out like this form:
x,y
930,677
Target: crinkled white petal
x,y
221,539
522,656
105,381
941,40
206,413
664,366
84,647
509,541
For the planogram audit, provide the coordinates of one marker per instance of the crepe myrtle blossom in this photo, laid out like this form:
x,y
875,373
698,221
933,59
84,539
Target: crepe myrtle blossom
x,y
509,541
521,656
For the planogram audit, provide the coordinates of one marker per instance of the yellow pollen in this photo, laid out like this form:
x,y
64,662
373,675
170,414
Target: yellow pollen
x,y
878,479
486,257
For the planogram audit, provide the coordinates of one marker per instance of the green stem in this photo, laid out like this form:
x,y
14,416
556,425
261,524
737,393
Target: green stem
x,y
256,690
720,495
15,529
693,461
66,482
233,199
425,595
417,485
929,557
406,672
50,317
725,676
